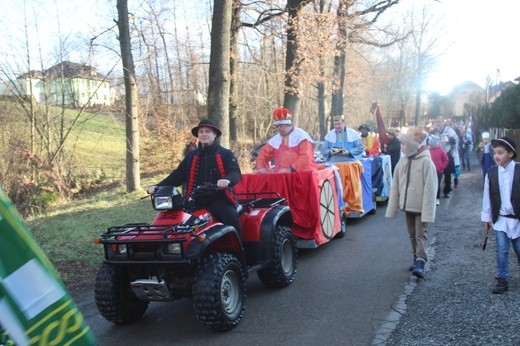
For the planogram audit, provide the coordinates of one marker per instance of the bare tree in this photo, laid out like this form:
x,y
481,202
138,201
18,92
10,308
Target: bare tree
x,y
292,58
133,174
219,66
233,70
425,45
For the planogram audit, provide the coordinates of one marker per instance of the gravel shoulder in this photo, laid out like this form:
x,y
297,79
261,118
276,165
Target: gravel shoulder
x,y
454,305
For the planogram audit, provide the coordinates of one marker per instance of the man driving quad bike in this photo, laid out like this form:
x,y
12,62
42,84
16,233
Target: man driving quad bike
x,y
195,248
213,164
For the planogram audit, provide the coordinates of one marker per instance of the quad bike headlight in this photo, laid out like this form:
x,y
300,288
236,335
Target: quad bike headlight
x,y
121,249
163,203
167,198
173,248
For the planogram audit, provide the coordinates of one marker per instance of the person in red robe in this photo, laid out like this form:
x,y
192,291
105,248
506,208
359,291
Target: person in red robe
x,y
290,150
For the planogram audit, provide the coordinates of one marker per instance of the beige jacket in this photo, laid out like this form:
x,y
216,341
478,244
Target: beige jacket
x,y
421,190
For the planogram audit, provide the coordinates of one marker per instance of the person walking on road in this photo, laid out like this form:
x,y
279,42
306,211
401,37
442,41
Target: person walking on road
x,y
466,149
393,147
501,207
450,169
484,152
439,158
414,190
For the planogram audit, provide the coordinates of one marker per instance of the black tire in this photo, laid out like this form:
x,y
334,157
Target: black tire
x,y
219,292
282,268
115,299
343,230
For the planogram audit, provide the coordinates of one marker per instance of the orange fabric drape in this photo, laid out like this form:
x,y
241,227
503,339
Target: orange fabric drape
x,y
350,174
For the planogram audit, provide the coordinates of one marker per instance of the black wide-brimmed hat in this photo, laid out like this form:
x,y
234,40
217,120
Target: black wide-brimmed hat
x,y
508,142
206,123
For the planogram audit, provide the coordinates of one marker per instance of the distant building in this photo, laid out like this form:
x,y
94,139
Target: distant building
x,y
68,84
494,91
464,93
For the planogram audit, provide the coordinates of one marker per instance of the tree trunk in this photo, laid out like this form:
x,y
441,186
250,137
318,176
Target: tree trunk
x,y
219,65
233,71
292,63
340,58
133,178
321,110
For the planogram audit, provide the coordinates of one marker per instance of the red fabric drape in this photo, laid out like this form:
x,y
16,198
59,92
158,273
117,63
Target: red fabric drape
x,y
302,193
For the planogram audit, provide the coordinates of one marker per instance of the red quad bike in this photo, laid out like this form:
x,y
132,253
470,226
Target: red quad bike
x,y
187,253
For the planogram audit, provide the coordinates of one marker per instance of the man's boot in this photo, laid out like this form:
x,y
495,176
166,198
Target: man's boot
x,y
418,271
500,287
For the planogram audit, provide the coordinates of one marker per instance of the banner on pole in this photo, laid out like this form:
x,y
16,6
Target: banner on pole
x,y
35,307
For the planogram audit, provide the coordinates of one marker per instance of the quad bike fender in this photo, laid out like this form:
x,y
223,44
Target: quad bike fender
x,y
219,238
260,251
279,215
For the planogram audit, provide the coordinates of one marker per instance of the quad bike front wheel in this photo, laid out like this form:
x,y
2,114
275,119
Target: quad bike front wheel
x,y
114,296
282,268
219,289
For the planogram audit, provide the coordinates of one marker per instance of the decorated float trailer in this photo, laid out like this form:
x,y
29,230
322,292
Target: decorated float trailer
x,y
321,201
313,198
366,183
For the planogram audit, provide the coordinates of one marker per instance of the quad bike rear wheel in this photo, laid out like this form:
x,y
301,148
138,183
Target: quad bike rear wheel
x,y
282,268
219,292
114,296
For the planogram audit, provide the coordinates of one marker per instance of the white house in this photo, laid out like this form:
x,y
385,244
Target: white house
x,y
66,84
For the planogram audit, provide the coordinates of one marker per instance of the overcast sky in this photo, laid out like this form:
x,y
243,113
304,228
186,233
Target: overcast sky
x,y
481,35
485,38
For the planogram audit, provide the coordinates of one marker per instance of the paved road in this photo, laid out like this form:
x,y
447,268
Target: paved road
x,y
342,293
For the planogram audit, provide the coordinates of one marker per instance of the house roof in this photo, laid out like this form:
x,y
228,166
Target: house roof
x,y
498,88
66,69
70,69
465,86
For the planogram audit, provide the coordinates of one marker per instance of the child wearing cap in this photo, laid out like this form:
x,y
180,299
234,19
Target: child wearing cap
x,y
501,207
414,190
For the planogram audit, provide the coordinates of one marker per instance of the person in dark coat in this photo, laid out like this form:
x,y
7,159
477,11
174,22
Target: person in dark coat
x,y
209,163
393,147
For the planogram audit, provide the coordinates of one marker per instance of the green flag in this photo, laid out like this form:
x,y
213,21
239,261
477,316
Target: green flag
x,y
35,307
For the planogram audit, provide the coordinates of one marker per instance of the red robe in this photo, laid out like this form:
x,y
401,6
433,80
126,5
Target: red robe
x,y
294,151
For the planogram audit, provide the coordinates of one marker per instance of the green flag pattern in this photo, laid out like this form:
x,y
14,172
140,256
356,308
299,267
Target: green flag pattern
x,y
35,308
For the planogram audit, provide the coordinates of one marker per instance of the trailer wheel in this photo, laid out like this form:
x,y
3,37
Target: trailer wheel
x,y
327,209
343,230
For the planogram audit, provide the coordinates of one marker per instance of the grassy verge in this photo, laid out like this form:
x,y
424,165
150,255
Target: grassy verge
x,y
66,233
